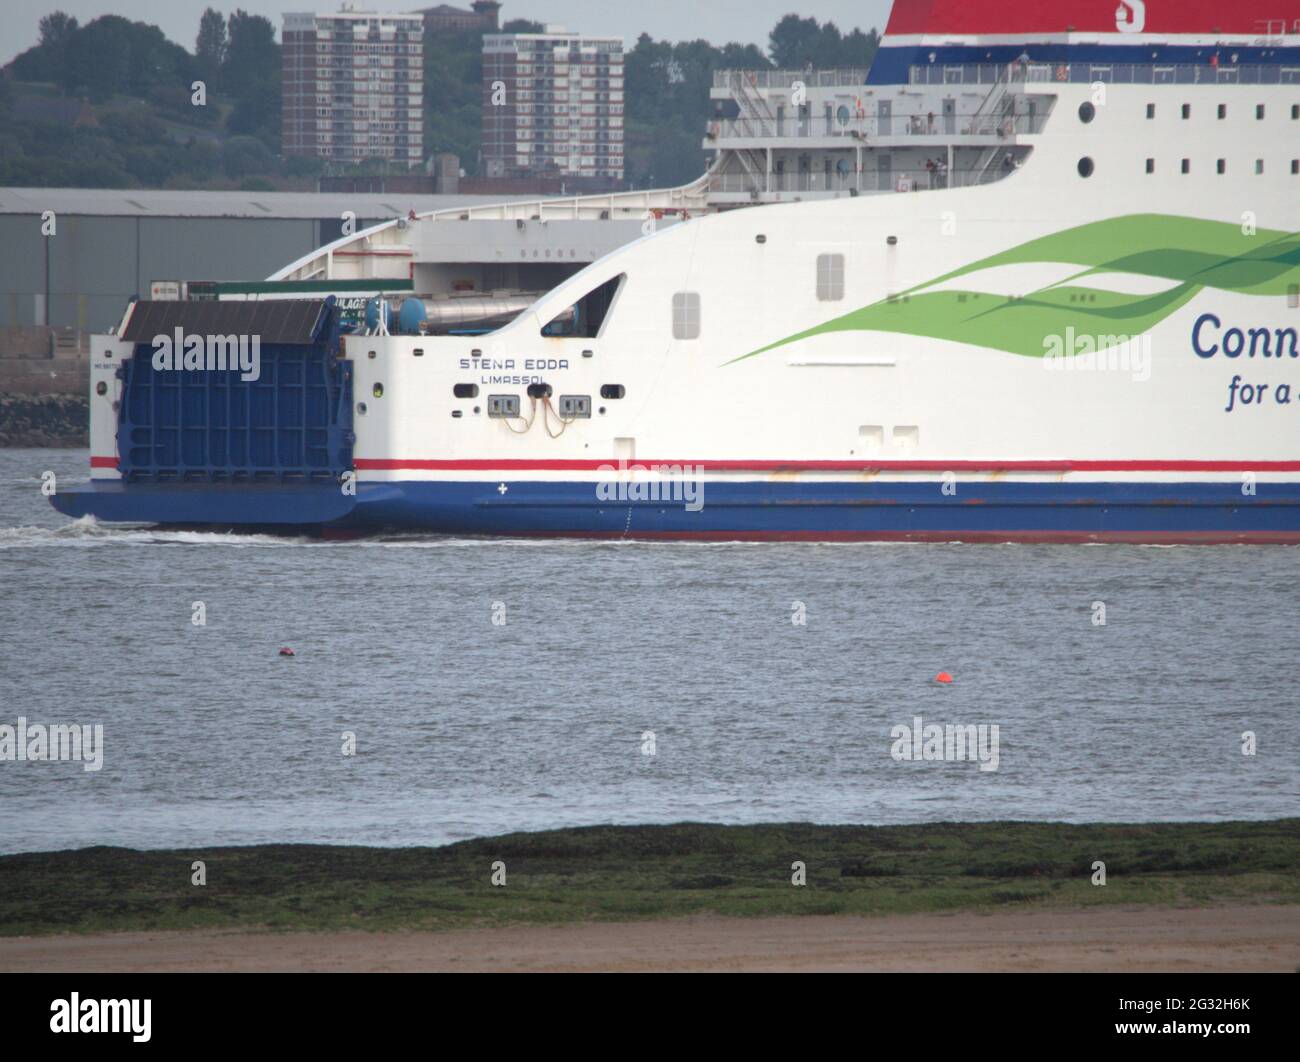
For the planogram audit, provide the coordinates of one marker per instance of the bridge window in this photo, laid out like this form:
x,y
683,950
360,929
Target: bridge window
x,y
830,277
587,316
686,315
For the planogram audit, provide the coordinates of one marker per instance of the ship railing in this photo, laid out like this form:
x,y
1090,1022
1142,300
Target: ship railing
x,y
764,79
864,183
1112,73
867,128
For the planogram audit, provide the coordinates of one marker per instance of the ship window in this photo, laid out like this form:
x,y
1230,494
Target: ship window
x,y
1187,165
611,391
1259,111
686,315
842,115
587,316
1295,167
465,390
1295,111
1259,165
1151,165
1085,167
1187,110
830,277
1223,111
1151,110
1087,112
1221,166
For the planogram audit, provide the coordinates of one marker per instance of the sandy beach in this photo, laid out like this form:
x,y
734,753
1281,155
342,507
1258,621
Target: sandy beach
x,y
1233,938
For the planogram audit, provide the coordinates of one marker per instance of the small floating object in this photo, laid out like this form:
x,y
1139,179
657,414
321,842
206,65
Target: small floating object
x,y
943,677
286,651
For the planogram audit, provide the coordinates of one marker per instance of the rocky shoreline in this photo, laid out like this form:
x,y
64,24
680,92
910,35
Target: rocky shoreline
x,y
44,421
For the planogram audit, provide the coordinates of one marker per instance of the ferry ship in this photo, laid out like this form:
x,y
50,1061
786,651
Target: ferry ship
x,y
1034,276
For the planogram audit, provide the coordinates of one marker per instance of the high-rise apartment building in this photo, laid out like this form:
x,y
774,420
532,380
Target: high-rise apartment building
x,y
354,86
552,105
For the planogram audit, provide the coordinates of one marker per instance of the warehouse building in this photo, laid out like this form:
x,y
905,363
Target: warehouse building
x,y
104,246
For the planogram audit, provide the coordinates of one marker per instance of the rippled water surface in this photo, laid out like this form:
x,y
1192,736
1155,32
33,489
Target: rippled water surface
x,y
467,728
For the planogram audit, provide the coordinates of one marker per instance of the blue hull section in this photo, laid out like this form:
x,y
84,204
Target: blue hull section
x,y
986,511
217,504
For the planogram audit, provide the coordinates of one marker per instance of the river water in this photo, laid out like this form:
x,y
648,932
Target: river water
x,y
623,682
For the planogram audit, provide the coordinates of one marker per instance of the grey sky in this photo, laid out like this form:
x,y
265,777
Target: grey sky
x,y
717,21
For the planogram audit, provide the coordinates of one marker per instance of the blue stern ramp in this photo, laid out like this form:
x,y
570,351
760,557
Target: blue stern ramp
x,y
208,444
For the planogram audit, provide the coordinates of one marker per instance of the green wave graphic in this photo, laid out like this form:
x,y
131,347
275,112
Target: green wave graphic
x,y
1190,252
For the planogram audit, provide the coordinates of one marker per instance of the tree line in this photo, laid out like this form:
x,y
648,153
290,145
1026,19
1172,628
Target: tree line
x,y
165,141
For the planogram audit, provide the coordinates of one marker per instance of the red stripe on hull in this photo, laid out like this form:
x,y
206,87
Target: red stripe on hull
x,y
497,465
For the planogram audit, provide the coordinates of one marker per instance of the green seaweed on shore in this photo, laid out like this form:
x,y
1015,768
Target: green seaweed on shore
x,y
638,872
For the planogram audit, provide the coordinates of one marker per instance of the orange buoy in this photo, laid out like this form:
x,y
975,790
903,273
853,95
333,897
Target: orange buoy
x,y
943,677
286,652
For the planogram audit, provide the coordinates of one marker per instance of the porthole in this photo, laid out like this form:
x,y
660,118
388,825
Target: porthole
x,y
1087,112
361,408
101,388
377,390
1085,167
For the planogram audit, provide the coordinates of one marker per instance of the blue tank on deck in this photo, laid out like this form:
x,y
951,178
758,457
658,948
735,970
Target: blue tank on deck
x,y
410,316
